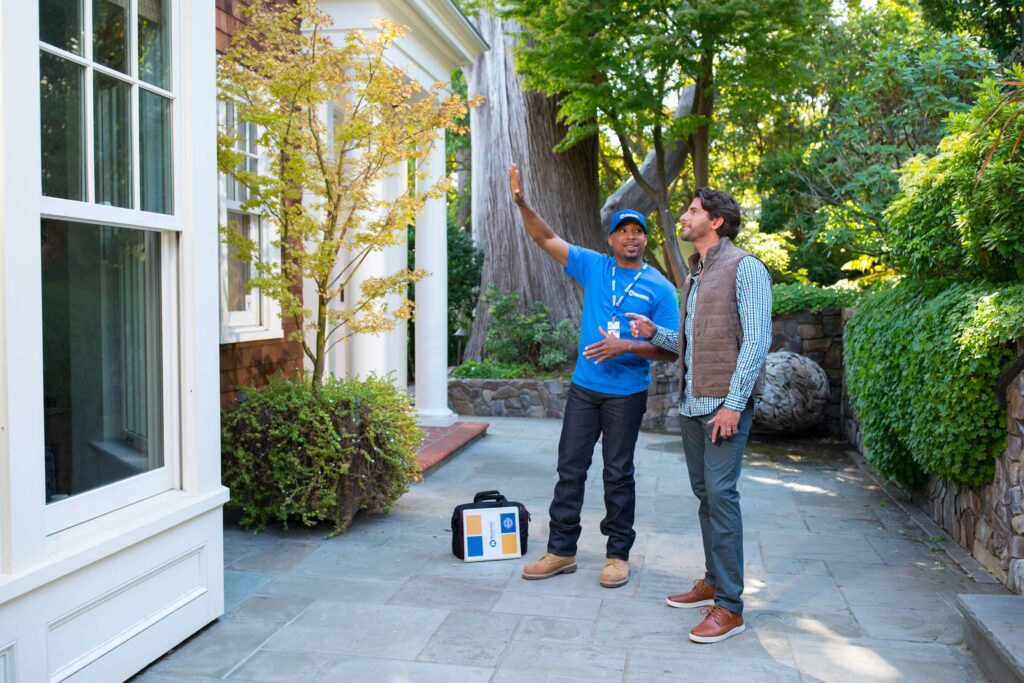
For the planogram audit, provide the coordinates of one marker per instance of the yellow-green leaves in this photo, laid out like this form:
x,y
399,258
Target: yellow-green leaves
x,y
337,122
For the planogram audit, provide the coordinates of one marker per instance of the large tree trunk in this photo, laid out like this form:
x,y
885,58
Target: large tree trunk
x,y
464,170
704,105
521,127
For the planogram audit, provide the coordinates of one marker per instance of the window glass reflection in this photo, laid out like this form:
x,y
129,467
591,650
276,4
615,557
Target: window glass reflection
x,y
60,24
154,52
110,33
62,127
102,372
113,141
156,165
240,297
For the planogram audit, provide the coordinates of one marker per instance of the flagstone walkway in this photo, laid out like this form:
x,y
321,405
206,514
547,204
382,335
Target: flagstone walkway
x,y
841,585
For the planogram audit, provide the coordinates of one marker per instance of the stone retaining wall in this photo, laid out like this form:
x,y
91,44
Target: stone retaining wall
x,y
508,397
818,336
987,521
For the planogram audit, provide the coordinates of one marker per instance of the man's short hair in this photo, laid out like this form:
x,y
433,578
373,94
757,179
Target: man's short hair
x,y
720,204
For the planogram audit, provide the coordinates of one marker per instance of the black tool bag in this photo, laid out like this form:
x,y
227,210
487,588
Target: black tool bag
x,y
483,500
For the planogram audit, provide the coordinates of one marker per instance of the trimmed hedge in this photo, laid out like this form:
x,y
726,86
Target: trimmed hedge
x,y
789,298
491,369
291,453
921,363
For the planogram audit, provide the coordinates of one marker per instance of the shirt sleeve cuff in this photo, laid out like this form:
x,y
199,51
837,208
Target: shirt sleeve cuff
x,y
663,338
735,402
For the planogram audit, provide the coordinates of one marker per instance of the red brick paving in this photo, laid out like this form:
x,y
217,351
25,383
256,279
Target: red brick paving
x,y
441,442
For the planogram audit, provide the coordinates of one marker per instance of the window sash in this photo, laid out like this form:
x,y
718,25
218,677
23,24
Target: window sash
x,y
137,85
252,229
97,502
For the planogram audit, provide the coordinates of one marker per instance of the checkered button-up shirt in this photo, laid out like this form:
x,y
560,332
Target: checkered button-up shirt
x,y
754,301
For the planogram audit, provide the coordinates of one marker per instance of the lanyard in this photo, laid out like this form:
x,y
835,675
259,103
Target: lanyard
x,y
629,287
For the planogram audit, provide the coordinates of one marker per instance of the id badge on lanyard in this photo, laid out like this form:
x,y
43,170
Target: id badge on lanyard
x,y
614,326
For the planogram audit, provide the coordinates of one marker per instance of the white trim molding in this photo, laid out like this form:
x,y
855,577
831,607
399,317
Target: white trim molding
x,y
84,564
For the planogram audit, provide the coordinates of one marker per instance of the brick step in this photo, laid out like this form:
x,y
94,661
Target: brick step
x,y
443,442
994,633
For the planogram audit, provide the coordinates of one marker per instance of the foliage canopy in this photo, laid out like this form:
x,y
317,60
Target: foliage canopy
x,y
877,107
951,218
321,185
621,66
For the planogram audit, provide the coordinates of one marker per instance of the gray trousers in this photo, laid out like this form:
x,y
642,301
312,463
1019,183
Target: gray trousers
x,y
714,472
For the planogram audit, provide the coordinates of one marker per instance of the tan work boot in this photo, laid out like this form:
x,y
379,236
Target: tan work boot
x,y
702,595
718,625
549,565
615,573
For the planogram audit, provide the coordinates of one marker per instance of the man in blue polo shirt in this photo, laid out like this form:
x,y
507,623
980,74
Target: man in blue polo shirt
x,y
608,395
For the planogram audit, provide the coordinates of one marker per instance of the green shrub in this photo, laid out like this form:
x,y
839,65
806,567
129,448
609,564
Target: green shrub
x,y
776,251
516,337
492,369
948,219
789,298
293,453
921,362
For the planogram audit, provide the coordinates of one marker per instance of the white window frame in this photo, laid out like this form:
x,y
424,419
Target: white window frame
x,y
263,322
81,507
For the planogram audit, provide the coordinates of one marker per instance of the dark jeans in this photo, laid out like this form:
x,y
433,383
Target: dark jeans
x,y
588,415
714,470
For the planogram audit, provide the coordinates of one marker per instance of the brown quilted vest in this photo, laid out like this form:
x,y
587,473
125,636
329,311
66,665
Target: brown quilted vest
x,y
717,332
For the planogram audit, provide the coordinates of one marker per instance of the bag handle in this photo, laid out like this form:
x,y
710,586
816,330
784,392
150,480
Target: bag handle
x,y
494,495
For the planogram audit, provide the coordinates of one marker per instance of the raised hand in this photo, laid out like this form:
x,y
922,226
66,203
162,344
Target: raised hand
x,y
516,184
641,326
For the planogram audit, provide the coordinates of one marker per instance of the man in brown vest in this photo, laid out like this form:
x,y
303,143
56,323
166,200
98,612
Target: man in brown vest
x,y
724,336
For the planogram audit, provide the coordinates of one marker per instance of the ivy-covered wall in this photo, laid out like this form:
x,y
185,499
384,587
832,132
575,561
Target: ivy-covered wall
x,y
987,521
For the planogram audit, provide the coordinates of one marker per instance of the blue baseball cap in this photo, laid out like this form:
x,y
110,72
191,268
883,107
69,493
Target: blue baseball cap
x,y
627,215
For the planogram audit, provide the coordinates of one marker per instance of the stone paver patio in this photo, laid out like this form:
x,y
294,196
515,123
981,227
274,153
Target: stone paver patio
x,y
841,584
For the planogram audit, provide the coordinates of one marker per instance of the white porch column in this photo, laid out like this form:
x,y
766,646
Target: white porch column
x,y
384,353
432,297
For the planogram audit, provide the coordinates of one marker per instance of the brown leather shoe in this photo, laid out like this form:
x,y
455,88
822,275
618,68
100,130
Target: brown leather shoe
x,y
718,625
702,595
615,573
549,565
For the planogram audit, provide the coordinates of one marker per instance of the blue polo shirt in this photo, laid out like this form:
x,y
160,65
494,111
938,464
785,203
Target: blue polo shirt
x,y
652,295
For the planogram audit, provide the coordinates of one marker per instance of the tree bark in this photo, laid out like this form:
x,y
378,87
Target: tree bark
x,y
704,105
464,170
522,127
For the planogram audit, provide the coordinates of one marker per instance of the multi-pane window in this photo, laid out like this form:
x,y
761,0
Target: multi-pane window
x,y
246,313
246,145
106,96
107,102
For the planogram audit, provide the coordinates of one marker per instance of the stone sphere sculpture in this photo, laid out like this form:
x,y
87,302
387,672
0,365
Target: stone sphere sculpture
x,y
795,393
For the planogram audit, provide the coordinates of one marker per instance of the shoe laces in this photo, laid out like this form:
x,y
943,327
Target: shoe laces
x,y
714,612
701,585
